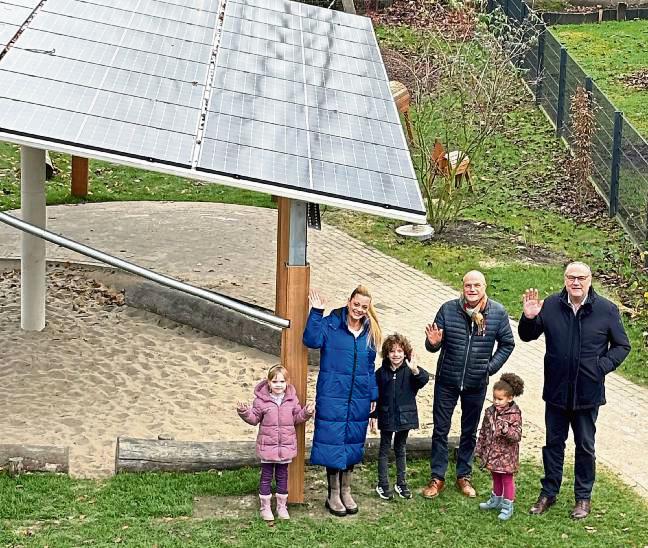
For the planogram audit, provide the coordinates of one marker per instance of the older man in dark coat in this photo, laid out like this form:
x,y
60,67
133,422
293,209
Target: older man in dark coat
x,y
466,331
585,340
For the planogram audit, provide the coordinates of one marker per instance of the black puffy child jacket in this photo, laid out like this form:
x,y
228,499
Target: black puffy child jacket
x,y
396,409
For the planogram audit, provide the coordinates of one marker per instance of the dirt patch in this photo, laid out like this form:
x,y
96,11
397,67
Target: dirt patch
x,y
488,238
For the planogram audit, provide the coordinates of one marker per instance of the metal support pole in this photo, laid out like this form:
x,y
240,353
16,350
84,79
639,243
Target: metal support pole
x,y
33,283
616,163
45,235
540,65
562,81
298,237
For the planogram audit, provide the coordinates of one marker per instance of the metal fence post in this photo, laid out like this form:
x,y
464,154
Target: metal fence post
x,y
524,11
490,6
540,65
506,8
616,163
562,81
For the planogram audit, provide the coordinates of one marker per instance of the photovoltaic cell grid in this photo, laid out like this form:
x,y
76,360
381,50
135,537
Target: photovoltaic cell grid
x,y
13,15
299,99
102,76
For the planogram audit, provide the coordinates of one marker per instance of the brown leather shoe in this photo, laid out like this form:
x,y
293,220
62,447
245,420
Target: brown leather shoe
x,y
542,504
582,509
466,488
434,487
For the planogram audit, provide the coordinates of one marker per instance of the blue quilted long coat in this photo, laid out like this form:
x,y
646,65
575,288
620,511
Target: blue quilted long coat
x,y
346,386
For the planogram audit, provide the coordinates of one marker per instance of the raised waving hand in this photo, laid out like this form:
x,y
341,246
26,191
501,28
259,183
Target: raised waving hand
x,y
532,304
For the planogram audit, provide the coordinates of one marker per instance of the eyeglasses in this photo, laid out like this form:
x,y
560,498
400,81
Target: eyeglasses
x,y
572,279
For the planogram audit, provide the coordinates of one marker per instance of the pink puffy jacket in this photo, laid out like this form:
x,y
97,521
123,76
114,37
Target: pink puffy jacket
x,y
277,440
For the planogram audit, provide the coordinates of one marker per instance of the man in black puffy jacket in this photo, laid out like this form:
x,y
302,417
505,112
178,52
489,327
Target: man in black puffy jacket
x,y
585,340
466,331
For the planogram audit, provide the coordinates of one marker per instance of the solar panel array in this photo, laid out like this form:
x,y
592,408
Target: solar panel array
x,y
297,95
13,15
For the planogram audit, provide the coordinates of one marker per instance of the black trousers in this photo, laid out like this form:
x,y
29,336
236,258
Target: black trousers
x,y
583,425
400,450
445,401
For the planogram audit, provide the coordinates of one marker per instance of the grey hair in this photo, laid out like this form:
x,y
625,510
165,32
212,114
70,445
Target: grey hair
x,y
581,264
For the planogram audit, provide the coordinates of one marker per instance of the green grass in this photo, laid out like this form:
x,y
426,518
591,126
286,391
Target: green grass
x,y
608,51
156,509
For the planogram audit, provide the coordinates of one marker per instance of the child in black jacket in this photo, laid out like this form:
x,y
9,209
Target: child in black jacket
x,y
399,379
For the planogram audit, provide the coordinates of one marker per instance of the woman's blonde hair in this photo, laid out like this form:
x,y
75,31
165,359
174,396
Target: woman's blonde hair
x,y
275,370
374,327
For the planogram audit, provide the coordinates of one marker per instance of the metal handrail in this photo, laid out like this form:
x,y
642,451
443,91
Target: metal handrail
x,y
144,272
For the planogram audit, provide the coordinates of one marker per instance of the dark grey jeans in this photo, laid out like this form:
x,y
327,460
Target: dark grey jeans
x,y
400,443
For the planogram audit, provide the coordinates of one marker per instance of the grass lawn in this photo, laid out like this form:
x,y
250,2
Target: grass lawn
x,y
158,510
607,52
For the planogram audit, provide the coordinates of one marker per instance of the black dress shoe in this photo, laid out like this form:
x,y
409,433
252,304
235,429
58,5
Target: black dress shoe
x,y
542,504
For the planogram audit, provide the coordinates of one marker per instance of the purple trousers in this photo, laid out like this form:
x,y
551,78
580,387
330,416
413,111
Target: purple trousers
x,y
503,485
280,473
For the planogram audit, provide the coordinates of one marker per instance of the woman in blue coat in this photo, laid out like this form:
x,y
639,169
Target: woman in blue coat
x,y
346,389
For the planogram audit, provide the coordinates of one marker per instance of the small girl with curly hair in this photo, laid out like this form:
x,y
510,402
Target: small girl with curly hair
x,y
498,446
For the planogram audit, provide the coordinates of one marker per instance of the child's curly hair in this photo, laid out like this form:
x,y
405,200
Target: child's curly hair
x,y
397,340
510,384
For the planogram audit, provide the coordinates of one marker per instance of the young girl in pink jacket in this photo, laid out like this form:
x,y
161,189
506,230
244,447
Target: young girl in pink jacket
x,y
276,410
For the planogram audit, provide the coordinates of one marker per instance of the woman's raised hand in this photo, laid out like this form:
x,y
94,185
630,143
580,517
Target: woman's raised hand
x,y
532,305
315,299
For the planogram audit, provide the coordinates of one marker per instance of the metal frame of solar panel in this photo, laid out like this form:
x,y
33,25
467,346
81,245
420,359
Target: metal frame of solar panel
x,y
298,102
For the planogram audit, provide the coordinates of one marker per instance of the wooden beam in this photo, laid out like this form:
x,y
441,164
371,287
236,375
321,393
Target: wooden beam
x,y
79,186
283,240
154,455
36,458
294,357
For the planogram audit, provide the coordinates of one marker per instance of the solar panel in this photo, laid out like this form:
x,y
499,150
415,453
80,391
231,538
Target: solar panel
x,y
274,94
282,97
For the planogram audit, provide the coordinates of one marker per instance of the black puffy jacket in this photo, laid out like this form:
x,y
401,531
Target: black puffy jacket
x,y
467,359
396,408
581,348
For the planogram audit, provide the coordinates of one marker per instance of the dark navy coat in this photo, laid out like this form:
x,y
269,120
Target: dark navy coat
x,y
396,409
467,359
581,348
346,386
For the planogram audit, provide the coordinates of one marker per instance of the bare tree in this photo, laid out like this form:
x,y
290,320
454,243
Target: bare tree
x,y
464,86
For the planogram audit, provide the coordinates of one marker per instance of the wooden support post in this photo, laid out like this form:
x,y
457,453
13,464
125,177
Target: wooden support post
x,y
79,186
292,284
294,357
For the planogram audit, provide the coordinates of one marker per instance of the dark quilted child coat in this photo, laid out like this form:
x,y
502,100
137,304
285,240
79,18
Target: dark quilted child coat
x,y
498,446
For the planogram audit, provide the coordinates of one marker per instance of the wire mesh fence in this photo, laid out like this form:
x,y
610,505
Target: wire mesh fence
x,y
619,151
